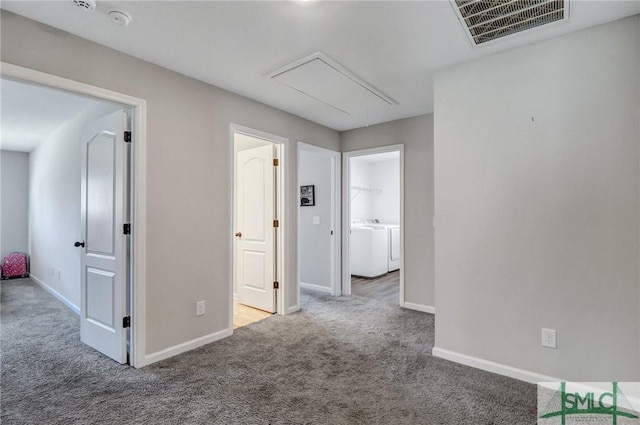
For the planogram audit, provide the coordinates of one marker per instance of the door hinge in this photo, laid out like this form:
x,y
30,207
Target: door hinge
x,y
126,228
276,162
276,223
126,322
276,285
127,136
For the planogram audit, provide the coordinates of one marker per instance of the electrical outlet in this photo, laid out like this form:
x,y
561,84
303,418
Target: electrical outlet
x,y
58,274
53,271
549,338
200,308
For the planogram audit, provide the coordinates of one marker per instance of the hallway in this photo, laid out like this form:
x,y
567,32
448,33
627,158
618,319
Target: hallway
x,y
345,360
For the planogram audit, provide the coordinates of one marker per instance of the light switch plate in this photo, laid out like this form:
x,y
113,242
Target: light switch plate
x,y
316,219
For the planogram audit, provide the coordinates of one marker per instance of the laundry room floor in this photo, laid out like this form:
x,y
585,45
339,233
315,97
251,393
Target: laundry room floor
x,y
384,288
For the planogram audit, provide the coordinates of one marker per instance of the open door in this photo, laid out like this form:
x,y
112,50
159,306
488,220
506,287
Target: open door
x,y
255,256
104,246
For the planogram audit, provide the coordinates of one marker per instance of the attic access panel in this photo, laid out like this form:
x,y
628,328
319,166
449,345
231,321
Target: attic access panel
x,y
325,80
487,20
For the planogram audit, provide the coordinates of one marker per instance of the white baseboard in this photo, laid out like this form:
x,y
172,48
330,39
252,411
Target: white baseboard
x,y
419,307
489,366
292,309
315,287
235,296
186,346
56,294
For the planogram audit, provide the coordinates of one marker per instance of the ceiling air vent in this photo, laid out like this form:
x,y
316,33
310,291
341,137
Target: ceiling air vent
x,y
487,20
85,4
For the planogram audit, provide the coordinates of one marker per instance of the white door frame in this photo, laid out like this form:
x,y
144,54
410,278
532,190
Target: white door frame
x,y
138,186
282,202
336,256
346,213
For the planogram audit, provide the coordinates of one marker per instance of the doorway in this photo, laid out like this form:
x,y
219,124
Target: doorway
x,y
319,240
131,186
259,194
373,224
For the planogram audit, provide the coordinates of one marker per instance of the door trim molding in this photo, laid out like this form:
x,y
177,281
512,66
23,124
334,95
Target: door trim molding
x,y
336,254
346,213
283,245
138,107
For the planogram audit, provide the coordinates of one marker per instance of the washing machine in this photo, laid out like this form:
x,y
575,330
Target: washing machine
x,y
368,250
394,247
393,242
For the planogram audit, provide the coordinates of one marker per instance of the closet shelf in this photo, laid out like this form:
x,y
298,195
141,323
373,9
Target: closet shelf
x,y
360,189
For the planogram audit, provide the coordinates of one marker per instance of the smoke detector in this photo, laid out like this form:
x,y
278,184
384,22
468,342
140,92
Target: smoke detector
x,y
85,4
120,17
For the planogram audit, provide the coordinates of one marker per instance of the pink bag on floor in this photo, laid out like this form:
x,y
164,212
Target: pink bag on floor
x,y
14,265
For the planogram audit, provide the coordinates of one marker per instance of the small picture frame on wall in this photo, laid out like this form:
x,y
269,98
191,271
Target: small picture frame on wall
x,y
307,196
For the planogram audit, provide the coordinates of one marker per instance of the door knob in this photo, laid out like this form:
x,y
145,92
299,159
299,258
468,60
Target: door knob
x,y
239,234
77,244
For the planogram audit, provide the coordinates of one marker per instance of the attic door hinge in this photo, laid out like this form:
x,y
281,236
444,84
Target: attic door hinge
x,y
127,136
126,322
276,223
276,162
276,285
126,229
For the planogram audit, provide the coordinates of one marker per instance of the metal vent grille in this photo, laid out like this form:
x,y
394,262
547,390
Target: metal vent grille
x,y
488,20
85,4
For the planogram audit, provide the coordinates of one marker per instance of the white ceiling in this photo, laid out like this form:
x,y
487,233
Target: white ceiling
x,y
31,113
394,46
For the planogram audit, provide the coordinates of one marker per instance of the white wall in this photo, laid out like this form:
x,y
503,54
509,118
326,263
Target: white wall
x,y
385,205
242,142
188,172
315,239
360,176
14,228
416,134
54,206
537,205
383,202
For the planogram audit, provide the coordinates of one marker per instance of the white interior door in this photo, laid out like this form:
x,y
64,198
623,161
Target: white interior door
x,y
255,232
104,211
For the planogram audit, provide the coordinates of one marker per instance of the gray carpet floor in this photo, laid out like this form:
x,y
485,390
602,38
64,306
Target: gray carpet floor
x,y
347,360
